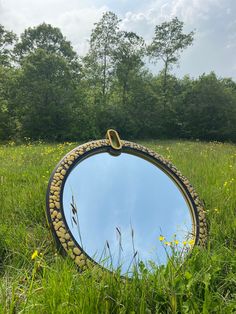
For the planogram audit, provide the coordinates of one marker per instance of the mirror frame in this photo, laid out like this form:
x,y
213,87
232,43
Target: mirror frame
x,y
65,241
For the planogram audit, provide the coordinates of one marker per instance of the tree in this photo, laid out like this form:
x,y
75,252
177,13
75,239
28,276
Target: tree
x,y
127,58
47,83
45,96
7,39
4,110
46,37
209,109
168,42
103,42
8,118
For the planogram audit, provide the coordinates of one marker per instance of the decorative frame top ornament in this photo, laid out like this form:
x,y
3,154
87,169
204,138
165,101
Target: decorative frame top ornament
x,y
112,144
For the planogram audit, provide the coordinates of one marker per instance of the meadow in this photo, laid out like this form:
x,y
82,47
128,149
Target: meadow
x,y
50,283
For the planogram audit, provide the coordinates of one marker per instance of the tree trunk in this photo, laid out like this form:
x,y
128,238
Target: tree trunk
x,y
165,77
125,85
165,84
104,77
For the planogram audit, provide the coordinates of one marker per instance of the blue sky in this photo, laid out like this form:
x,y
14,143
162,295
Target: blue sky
x,y
121,191
213,20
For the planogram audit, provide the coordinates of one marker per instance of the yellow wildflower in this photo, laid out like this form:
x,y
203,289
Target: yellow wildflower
x,y
167,243
184,242
161,238
191,242
34,255
176,242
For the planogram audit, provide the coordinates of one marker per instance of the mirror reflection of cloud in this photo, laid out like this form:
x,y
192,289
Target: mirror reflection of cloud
x,y
117,192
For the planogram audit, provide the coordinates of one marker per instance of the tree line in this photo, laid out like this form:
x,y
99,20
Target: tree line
x,y
48,92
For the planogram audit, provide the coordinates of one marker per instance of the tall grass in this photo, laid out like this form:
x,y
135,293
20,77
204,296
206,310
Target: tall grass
x,y
205,283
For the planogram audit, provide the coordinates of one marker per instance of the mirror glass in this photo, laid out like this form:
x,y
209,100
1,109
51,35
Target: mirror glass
x,y
124,209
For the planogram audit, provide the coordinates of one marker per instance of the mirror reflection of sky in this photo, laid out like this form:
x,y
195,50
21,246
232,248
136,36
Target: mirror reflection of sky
x,y
121,205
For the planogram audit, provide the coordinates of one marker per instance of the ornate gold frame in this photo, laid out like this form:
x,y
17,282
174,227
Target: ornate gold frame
x,y
54,204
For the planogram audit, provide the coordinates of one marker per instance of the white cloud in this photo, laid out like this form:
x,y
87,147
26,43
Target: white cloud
x,y
189,11
209,18
77,25
231,35
74,18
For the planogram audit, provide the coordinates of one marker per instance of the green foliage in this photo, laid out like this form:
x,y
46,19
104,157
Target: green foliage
x,y
49,94
127,58
47,38
205,283
169,41
46,84
45,96
9,124
210,109
103,42
4,114
7,39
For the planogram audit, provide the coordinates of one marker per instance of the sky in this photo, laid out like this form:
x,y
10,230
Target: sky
x,y
214,22
112,192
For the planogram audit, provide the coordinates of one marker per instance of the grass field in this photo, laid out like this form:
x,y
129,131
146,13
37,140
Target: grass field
x,y
205,283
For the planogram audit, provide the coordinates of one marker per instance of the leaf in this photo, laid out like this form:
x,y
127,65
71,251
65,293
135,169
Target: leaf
x,y
188,275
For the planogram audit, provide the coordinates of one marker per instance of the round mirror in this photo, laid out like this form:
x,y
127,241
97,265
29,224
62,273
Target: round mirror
x,y
122,207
